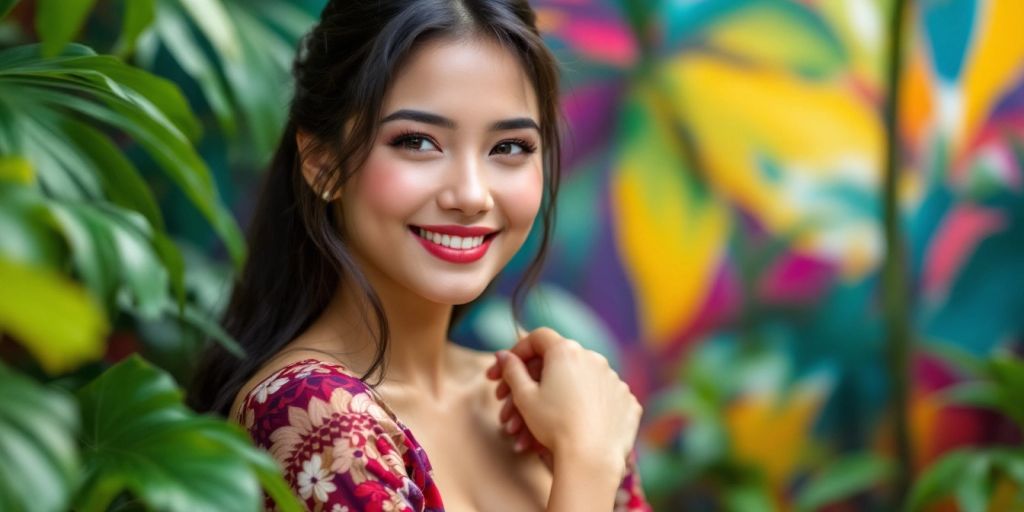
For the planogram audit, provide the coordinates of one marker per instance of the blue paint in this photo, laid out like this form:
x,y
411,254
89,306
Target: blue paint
x,y
948,25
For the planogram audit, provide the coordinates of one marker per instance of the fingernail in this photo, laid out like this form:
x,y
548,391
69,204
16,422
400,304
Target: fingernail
x,y
519,445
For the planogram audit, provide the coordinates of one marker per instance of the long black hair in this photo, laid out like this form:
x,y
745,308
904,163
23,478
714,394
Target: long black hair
x,y
296,256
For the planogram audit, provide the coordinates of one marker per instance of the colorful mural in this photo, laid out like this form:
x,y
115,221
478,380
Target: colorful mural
x,y
723,204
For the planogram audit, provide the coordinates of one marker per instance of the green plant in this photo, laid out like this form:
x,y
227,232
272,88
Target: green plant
x,y
85,250
971,475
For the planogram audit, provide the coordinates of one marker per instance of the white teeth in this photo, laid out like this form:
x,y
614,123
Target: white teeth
x,y
453,242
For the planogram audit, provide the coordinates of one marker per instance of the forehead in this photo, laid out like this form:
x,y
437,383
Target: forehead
x,y
469,79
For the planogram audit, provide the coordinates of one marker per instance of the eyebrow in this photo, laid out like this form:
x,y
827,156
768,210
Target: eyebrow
x,y
437,120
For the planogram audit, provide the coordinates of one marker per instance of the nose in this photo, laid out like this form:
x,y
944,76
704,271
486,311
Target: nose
x,y
467,189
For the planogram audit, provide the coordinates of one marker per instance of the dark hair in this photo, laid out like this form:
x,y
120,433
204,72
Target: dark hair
x,y
297,258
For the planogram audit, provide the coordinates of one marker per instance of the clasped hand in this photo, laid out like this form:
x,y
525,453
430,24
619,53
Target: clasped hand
x,y
562,400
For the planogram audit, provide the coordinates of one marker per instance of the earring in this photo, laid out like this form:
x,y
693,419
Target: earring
x,y
326,195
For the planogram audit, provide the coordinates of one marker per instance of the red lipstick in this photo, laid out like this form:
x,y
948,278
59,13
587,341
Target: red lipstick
x,y
451,254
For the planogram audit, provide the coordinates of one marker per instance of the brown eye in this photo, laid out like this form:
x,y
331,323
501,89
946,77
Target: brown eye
x,y
413,142
512,148
418,144
507,148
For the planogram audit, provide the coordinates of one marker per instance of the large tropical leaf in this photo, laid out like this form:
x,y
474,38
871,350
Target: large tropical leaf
x,y
138,437
37,439
102,89
239,53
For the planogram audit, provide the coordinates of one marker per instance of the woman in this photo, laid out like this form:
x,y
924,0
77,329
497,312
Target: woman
x,y
422,144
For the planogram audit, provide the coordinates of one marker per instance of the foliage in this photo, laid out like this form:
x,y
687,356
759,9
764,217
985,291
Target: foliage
x,y
972,475
86,242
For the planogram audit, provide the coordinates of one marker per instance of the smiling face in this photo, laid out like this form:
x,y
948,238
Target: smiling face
x,y
458,153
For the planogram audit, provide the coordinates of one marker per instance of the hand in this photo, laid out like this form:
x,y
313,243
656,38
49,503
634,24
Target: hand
x,y
579,407
512,424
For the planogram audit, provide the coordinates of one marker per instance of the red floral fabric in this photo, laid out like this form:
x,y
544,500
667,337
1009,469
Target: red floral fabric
x,y
343,450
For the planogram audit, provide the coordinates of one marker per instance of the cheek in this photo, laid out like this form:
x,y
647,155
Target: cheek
x,y
390,188
521,196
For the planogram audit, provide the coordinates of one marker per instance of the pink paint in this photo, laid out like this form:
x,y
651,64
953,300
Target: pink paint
x,y
603,41
796,278
961,232
723,301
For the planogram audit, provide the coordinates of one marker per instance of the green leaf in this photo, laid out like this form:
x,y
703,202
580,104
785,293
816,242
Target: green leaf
x,y
212,329
843,478
6,6
140,438
138,15
114,252
58,21
58,85
974,488
121,181
748,498
28,235
16,169
38,427
174,32
939,479
52,317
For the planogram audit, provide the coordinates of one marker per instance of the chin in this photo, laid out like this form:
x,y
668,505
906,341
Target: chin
x,y
454,296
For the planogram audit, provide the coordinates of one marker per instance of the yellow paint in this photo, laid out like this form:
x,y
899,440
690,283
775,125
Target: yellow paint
x,y
994,64
811,130
670,239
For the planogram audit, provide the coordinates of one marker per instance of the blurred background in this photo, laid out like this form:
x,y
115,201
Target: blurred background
x,y
796,228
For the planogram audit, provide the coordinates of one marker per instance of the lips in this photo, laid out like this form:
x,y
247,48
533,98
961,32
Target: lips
x,y
453,255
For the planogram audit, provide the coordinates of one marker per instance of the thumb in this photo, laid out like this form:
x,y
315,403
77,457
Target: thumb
x,y
516,375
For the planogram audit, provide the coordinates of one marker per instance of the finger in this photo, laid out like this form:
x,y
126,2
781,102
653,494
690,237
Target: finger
x,y
517,377
536,343
507,410
535,367
494,370
522,442
514,425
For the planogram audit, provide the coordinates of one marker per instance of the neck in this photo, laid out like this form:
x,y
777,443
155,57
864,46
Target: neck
x,y
418,353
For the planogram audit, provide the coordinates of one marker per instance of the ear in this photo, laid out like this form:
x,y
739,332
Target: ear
x,y
314,160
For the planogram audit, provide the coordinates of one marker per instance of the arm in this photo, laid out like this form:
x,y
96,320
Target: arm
x,y
584,483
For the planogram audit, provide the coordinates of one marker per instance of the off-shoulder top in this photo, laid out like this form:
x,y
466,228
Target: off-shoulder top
x,y
342,449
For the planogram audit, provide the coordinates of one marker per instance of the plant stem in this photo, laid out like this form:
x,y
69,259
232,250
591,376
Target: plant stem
x,y
895,276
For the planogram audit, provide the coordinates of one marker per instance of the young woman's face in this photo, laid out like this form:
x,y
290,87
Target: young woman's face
x,y
458,148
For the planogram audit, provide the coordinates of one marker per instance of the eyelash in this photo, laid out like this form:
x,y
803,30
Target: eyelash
x,y
401,138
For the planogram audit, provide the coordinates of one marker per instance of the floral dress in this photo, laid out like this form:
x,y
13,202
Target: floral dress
x,y
343,450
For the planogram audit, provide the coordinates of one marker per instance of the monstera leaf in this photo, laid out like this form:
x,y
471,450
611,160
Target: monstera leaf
x,y
37,437
75,160
139,438
239,53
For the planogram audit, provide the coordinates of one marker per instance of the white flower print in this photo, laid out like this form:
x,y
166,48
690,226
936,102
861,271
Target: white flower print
x,y
309,368
339,508
269,386
363,403
313,480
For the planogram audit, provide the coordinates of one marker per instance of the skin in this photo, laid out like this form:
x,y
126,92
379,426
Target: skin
x,y
462,171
